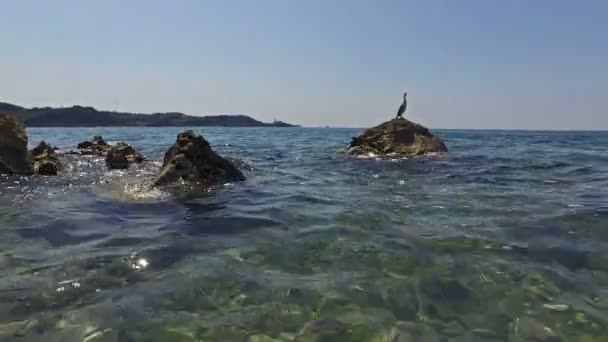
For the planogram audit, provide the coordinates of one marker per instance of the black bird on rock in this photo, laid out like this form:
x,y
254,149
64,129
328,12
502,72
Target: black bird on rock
x,y
402,108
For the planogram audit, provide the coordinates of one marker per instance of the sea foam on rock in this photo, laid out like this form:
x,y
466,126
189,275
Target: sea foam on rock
x,y
13,146
396,137
192,162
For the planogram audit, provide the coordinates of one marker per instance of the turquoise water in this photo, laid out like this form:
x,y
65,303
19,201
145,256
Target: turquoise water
x,y
504,239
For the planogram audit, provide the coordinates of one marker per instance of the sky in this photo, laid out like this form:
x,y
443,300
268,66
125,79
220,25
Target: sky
x,y
516,64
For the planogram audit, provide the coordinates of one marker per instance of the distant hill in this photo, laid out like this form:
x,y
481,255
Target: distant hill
x,y
79,116
10,108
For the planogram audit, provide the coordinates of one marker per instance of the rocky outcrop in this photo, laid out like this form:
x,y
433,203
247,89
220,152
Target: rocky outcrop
x,y
97,146
13,146
121,155
45,160
192,162
396,137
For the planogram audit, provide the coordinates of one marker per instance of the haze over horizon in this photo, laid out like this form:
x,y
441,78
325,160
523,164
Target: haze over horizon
x,y
465,64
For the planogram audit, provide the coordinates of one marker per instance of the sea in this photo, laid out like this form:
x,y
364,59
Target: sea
x,y
505,238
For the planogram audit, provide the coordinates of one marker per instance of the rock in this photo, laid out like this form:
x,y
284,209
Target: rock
x,y
398,136
262,338
415,331
533,330
390,335
97,140
97,146
13,146
105,335
445,290
323,330
454,328
484,333
45,160
556,307
191,161
122,155
402,302
14,328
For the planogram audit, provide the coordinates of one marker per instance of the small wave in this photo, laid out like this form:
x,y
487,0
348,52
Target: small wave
x,y
394,157
143,192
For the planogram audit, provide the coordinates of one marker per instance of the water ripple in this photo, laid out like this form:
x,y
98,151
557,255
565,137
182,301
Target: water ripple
x,y
464,246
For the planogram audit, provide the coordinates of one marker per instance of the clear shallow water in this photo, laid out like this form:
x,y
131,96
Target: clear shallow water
x,y
504,239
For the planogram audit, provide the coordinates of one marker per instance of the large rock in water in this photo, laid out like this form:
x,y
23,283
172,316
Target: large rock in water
x,y
13,146
121,155
97,146
192,162
398,136
45,159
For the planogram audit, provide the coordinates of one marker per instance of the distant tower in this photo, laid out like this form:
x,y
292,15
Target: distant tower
x,y
402,108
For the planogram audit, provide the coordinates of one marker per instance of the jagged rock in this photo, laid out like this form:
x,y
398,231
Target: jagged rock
x,y
122,155
97,146
13,146
191,161
45,160
398,136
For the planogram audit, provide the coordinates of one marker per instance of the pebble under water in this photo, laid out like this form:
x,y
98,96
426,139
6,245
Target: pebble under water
x,y
503,239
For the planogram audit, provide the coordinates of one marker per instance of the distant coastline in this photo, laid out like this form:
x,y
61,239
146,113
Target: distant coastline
x,y
80,116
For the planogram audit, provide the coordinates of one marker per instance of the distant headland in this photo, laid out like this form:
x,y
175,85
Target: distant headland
x,y
79,116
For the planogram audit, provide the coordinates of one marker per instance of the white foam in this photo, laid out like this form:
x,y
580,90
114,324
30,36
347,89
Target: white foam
x,y
138,191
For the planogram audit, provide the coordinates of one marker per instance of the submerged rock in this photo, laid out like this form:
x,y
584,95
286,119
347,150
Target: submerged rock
x,y
446,290
398,136
13,146
323,330
122,155
191,161
97,146
533,330
45,159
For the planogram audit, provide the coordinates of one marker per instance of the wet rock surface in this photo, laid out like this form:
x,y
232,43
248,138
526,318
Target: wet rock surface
x,y
45,160
396,137
122,155
97,146
13,146
192,162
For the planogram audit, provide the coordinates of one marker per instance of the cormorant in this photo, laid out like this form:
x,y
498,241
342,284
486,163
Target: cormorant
x,y
402,108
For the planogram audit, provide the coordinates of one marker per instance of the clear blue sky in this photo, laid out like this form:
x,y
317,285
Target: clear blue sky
x,y
466,64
